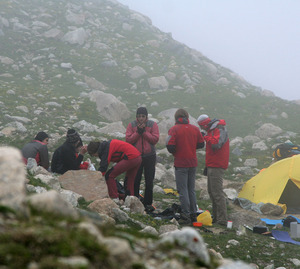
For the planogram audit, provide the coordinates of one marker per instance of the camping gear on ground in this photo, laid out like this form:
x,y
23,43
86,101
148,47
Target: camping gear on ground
x,y
205,218
295,230
283,237
260,229
169,213
279,184
285,150
171,191
229,224
286,222
277,221
197,224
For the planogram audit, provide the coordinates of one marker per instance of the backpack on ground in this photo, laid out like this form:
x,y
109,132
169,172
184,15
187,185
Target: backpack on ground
x,y
286,222
285,150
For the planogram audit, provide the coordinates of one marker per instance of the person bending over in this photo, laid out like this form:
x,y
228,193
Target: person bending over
x,y
127,158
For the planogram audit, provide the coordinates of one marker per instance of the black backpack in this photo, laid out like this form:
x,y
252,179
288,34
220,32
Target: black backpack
x,y
287,221
285,150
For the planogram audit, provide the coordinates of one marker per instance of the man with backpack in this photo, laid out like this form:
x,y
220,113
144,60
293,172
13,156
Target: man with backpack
x,y
216,162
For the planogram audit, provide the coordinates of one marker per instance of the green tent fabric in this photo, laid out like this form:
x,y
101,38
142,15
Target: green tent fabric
x,y
278,184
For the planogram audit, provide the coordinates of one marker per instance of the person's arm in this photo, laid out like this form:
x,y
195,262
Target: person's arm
x,y
44,157
217,138
132,135
200,142
103,155
152,136
70,160
171,141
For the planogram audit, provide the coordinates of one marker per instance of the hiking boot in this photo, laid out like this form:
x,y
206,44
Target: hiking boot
x,y
149,208
184,220
193,217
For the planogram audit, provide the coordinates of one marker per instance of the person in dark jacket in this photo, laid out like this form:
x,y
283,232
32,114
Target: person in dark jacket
x,y
183,141
38,150
216,161
144,134
69,155
127,158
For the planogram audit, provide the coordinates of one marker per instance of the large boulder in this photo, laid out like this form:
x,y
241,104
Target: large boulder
x,y
12,179
158,83
136,72
77,36
89,184
109,106
268,130
52,202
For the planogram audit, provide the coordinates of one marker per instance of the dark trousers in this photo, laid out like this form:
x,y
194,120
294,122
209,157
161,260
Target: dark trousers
x,y
148,167
128,166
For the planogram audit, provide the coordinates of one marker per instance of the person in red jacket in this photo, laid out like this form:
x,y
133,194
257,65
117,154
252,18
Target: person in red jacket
x,y
183,140
38,150
128,160
216,161
144,134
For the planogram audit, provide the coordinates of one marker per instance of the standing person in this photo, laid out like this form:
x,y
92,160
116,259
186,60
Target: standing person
x,y
183,140
144,134
128,160
69,155
216,161
38,150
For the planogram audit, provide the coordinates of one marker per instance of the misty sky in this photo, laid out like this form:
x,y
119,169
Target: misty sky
x,y
258,39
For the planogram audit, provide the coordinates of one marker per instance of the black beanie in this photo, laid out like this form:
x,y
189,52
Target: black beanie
x,y
142,110
41,136
72,136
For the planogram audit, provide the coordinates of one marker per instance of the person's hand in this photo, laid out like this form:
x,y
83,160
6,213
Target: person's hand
x,y
141,130
141,125
83,150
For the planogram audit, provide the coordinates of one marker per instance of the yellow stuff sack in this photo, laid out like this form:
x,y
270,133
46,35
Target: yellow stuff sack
x,y
205,218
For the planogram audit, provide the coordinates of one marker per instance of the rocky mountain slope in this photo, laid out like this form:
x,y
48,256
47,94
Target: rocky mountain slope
x,y
90,64
62,222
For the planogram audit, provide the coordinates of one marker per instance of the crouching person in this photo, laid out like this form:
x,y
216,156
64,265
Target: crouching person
x,y
127,158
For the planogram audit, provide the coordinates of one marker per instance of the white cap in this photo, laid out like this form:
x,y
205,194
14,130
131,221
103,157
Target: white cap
x,y
202,118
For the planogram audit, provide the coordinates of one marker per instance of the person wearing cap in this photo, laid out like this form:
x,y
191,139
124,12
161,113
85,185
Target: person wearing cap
x,y
127,158
183,141
69,155
38,150
144,134
216,161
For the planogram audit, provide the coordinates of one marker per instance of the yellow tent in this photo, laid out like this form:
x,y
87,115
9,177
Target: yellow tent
x,y
277,184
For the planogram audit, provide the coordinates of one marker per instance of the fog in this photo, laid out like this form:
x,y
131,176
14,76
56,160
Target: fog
x,y
257,39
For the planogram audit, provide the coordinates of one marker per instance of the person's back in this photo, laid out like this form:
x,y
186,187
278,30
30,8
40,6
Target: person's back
x,y
184,138
56,162
38,150
65,158
187,137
